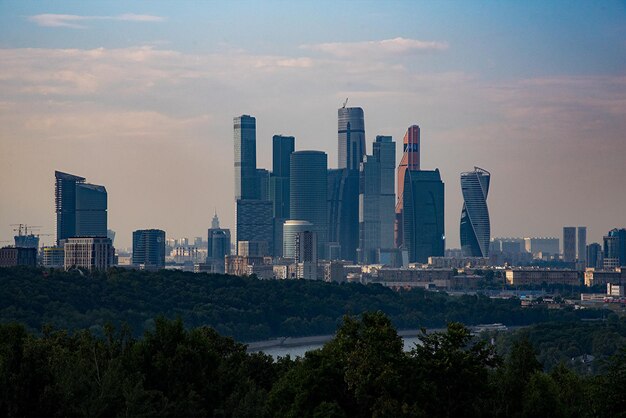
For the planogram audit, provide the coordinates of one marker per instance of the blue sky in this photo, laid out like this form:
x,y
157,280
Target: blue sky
x,y
128,93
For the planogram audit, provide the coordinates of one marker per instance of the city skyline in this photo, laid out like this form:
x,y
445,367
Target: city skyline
x,y
539,105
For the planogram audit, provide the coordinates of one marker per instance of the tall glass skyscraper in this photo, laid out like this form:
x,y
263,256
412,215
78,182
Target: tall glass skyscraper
x,y
246,184
475,225
351,137
423,215
410,161
282,148
81,208
343,211
308,199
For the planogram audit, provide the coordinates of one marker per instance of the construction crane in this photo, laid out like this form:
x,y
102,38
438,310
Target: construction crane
x,y
25,228
345,103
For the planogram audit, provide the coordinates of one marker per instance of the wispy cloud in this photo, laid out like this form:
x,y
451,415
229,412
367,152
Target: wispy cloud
x,y
77,21
395,46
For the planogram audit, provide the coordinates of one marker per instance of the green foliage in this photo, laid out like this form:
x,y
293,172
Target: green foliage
x,y
246,309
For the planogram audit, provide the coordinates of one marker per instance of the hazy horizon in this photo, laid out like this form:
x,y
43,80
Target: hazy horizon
x,y
140,97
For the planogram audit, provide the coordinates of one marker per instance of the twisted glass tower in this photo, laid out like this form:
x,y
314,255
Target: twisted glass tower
x,y
475,226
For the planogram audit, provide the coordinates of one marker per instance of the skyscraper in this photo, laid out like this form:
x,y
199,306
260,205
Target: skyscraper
x,y
308,193
595,257
246,183
149,248
376,200
282,148
255,221
569,244
263,183
475,225
343,211
582,246
218,245
410,161
306,255
81,208
290,230
423,226
615,248
351,137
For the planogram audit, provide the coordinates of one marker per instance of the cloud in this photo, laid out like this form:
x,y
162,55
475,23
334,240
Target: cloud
x,y
75,21
385,47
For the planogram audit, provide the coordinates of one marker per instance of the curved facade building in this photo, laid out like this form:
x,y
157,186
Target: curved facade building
x,y
475,226
291,229
410,161
308,192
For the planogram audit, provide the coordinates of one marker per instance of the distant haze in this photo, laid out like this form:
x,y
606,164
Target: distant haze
x,y
140,97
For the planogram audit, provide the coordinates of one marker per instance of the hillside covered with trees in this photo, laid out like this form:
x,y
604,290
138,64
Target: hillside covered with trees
x,y
246,309
362,372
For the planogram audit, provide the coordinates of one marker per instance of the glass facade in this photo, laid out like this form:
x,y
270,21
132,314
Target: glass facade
x,y
149,248
351,137
475,225
246,185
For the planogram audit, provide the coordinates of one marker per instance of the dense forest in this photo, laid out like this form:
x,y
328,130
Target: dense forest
x,y
246,309
362,372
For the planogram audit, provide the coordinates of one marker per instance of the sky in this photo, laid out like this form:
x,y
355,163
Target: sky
x,y
140,96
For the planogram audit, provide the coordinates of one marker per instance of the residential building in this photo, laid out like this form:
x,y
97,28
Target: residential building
x,y
252,248
538,277
603,277
542,245
475,226
18,256
54,257
306,255
149,249
90,253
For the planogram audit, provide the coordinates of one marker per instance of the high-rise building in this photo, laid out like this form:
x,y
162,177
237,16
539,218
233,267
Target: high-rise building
x,y
569,244
308,193
18,256
282,148
544,246
246,183
410,161
255,221
306,255
351,137
377,200
91,210
615,248
582,245
423,228
475,226
263,179
343,212
218,246
53,257
252,249
149,249
290,229
65,204
90,253
595,258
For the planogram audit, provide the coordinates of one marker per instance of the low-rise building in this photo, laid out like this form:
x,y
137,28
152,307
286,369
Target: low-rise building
x,y
602,277
457,262
537,277
18,256
54,257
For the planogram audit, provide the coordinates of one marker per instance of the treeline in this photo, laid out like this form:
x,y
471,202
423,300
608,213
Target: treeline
x,y
583,346
362,372
246,309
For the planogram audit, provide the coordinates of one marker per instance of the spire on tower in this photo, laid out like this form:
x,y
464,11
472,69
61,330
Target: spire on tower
x,y
215,222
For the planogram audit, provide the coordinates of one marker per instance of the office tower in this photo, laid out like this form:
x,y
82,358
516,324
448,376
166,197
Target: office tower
x,y
343,211
290,229
423,228
582,245
475,226
149,249
218,245
351,137
252,249
246,183
377,200
308,193
282,148
569,244
410,161
595,258
544,246
306,255
263,179
90,253
81,208
255,221
91,210
18,256
615,248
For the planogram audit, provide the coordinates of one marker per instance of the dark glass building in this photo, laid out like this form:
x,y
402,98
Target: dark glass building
x,y
218,246
475,226
246,183
308,193
149,248
351,137
343,211
255,221
410,161
65,204
423,215
282,148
